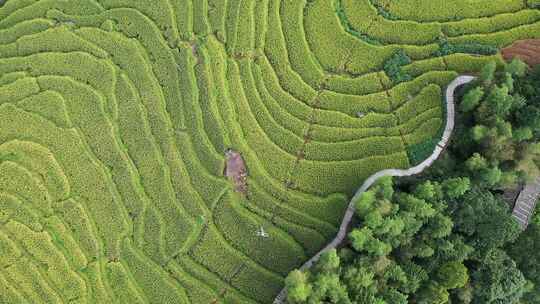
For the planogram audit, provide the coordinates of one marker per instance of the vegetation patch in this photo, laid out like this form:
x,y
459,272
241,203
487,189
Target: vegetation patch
x,y
447,236
115,115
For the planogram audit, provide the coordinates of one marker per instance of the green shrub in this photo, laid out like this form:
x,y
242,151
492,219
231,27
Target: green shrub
x,y
392,67
447,48
533,3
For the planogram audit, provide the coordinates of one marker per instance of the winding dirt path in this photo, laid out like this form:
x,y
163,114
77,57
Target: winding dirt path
x,y
342,233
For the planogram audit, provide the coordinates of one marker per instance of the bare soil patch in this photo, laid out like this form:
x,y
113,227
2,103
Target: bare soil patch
x,y
527,50
236,170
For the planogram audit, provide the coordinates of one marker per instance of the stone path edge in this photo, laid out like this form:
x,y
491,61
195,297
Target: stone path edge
x,y
449,127
525,203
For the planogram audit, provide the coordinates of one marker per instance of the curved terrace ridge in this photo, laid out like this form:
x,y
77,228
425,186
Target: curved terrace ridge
x,y
116,118
448,129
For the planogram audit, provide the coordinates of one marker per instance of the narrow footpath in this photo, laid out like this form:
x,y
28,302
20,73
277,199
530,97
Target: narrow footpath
x,y
526,202
342,233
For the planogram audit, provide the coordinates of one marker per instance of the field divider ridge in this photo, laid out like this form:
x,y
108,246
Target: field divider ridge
x,y
342,233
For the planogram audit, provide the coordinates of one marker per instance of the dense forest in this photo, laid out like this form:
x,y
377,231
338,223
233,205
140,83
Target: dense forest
x,y
448,236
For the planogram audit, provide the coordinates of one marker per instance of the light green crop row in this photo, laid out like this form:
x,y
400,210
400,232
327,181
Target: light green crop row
x,y
152,280
240,227
124,289
448,10
40,246
363,17
300,57
429,98
40,162
197,291
88,181
118,114
203,276
15,209
19,180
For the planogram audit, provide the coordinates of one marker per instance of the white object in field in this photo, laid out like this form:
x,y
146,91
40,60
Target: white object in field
x,y
262,233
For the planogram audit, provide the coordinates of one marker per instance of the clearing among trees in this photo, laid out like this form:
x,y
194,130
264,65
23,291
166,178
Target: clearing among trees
x,y
114,116
526,50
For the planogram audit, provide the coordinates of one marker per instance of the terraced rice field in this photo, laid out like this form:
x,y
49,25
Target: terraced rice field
x,y
115,117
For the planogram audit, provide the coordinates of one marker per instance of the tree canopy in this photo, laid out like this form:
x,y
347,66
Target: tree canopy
x,y
448,236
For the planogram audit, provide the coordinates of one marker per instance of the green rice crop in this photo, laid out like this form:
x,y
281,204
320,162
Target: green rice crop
x,y
115,116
